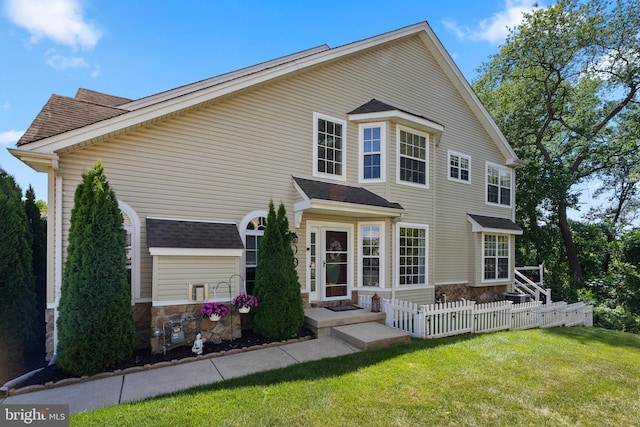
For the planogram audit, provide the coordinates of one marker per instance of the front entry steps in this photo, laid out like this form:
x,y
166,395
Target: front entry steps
x,y
370,335
361,329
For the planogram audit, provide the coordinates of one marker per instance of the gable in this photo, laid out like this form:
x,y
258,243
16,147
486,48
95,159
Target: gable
x,y
105,121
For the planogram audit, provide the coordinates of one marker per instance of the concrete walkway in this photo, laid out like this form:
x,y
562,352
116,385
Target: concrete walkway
x,y
144,384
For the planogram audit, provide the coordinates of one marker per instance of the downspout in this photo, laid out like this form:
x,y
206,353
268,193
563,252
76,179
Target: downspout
x,y
58,256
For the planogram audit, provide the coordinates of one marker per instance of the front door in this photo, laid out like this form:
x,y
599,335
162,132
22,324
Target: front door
x,y
336,264
329,264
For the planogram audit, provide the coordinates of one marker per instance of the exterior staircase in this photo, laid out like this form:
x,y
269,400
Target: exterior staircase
x,y
361,329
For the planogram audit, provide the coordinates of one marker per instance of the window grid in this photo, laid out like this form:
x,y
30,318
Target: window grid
x,y
496,257
498,185
412,259
413,154
459,167
372,154
371,255
330,147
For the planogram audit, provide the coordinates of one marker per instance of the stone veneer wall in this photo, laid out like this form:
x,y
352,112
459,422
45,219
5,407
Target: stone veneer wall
x,y
480,295
194,322
141,317
49,324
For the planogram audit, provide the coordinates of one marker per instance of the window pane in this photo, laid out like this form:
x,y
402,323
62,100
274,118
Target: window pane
x,y
412,257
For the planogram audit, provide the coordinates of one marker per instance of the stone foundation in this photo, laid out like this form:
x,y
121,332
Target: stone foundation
x,y
49,322
480,295
141,317
162,318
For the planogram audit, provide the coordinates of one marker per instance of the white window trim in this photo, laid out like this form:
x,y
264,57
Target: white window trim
x,y
460,156
400,128
396,257
486,184
316,173
383,152
243,234
495,281
382,257
135,249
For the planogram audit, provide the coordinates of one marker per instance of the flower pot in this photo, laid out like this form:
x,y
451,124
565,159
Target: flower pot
x,y
214,317
244,309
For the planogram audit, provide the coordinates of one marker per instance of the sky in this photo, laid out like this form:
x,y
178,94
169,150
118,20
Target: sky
x,y
138,48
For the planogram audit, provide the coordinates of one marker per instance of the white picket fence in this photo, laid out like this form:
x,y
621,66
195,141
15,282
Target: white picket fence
x,y
460,317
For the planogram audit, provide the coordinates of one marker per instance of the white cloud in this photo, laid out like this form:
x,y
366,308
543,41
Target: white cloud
x,y
6,106
10,136
61,62
495,28
58,20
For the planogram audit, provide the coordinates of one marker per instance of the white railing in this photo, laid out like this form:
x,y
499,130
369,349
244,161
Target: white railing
x,y
527,286
460,317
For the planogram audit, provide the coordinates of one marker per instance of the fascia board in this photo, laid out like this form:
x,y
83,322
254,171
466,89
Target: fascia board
x,y
196,252
40,162
362,210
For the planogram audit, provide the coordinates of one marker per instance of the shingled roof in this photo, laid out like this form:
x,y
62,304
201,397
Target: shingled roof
x,y
375,106
493,222
61,114
342,193
162,233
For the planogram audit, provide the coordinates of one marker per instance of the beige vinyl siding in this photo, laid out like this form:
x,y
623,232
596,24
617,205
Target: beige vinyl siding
x,y
230,157
176,272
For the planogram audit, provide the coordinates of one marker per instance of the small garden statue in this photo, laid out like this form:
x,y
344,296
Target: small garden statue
x,y
197,344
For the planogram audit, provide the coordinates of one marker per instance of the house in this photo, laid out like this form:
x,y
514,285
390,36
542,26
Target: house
x,y
394,176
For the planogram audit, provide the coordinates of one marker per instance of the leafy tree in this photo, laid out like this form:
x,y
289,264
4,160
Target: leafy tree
x,y
95,324
557,88
38,229
18,312
280,314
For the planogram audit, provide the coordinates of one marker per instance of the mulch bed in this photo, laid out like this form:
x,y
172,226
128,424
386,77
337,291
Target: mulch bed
x,y
53,373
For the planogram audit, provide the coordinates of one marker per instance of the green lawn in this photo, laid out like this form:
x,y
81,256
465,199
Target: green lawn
x,y
555,377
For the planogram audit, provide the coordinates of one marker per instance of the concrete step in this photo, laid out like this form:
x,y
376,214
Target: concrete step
x,y
366,336
320,321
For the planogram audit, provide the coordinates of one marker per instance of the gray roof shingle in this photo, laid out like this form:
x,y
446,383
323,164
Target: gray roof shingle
x,y
61,114
162,233
342,193
375,106
495,222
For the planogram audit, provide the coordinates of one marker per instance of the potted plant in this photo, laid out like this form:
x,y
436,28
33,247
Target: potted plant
x,y
244,302
214,310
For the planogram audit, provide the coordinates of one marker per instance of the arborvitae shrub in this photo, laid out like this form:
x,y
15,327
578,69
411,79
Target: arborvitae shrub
x,y
280,314
18,307
96,329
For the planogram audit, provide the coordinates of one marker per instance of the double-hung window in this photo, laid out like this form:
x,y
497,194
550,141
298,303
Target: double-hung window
x,y
330,149
412,254
413,157
496,256
459,167
498,185
372,152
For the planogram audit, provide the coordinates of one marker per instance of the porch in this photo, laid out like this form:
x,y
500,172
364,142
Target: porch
x,y
360,328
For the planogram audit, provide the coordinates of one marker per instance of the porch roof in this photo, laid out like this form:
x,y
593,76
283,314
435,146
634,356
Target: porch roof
x,y
339,199
482,223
